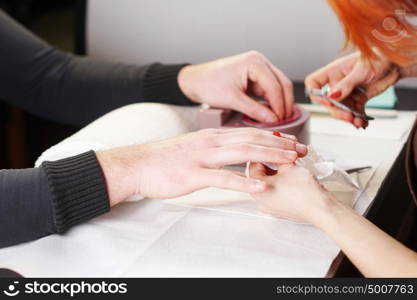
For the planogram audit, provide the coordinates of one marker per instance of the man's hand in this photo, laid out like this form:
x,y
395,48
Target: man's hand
x,y
232,82
187,163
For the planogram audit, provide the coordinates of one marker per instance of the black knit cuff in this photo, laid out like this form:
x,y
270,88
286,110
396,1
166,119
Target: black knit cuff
x,y
161,85
78,189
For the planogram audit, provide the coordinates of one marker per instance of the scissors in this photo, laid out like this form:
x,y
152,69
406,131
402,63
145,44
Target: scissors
x,y
358,170
323,94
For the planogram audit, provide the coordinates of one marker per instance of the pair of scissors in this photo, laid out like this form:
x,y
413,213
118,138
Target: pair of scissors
x,y
322,94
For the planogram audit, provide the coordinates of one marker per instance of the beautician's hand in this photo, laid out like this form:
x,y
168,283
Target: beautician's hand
x,y
293,193
349,72
232,82
187,163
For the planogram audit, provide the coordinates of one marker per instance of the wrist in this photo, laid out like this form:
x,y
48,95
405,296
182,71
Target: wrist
x,y
185,82
120,182
328,213
325,206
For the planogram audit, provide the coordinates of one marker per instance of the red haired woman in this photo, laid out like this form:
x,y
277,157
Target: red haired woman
x,y
383,32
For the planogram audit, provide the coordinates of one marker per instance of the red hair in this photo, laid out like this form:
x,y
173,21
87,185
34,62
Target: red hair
x,y
380,27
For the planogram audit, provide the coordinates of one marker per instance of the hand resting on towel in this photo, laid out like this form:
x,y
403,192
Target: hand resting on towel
x,y
181,165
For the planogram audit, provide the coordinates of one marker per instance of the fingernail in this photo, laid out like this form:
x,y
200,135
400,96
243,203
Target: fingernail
x,y
259,186
270,118
302,149
291,155
335,94
277,133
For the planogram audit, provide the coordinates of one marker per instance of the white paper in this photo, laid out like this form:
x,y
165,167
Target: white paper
x,y
380,128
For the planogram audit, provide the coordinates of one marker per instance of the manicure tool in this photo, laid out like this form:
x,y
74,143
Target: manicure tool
x,y
358,170
323,95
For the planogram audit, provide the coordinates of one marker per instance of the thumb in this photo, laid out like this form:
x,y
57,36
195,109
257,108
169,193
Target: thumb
x,y
230,181
254,109
345,87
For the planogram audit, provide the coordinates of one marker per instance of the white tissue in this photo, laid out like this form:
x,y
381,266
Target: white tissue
x,y
328,173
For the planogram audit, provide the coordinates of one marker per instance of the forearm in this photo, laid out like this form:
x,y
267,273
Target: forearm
x,y
79,90
371,250
71,89
50,199
25,206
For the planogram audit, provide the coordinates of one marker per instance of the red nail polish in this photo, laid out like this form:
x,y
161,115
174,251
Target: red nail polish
x,y
335,94
270,172
277,133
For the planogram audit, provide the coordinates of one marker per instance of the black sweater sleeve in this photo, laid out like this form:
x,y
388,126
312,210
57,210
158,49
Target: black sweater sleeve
x,y
73,90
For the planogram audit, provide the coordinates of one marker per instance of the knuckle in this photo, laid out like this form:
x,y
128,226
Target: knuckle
x,y
254,55
288,84
245,148
208,131
288,144
211,140
255,136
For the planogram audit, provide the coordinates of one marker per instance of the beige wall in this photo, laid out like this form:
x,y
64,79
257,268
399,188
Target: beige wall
x,y
297,35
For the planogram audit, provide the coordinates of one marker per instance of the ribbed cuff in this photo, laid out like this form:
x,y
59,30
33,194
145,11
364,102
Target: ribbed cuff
x,y
161,85
78,189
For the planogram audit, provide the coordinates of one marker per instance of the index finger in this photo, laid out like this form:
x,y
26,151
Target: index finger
x,y
269,83
288,89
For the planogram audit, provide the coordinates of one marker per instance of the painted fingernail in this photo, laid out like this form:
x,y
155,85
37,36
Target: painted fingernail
x,y
290,155
259,186
335,94
302,149
277,133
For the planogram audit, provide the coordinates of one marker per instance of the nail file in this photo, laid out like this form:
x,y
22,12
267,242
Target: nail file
x,y
323,95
